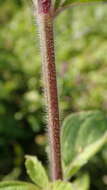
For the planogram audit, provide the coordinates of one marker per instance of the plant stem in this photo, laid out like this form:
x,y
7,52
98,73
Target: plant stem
x,y
45,22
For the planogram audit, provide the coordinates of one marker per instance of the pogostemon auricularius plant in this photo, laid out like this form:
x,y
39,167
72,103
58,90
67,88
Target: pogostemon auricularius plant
x,y
73,150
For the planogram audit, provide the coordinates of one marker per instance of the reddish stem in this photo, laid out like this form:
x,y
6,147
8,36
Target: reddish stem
x,y
45,22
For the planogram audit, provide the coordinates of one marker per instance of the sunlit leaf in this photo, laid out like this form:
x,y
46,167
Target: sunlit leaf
x,y
83,135
61,185
36,171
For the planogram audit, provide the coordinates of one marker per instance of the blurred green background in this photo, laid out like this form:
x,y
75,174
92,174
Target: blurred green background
x,y
81,60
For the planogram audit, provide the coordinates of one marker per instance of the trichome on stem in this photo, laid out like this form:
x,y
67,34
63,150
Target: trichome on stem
x,y
44,13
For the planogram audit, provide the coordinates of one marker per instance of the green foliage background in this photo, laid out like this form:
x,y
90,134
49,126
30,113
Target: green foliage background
x,y
81,60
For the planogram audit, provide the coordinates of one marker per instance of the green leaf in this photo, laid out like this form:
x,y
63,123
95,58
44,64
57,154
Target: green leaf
x,y
57,3
82,183
70,2
13,175
83,135
36,171
16,185
61,185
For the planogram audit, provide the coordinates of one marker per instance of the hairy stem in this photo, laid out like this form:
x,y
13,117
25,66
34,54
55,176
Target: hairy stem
x,y
45,22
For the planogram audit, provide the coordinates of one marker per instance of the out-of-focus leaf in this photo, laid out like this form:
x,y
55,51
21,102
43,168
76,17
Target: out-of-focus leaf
x,y
36,171
10,128
83,135
12,175
15,185
82,183
70,2
57,3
